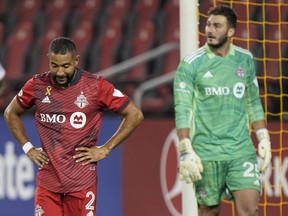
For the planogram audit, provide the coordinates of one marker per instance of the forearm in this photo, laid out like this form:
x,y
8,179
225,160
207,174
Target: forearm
x,y
12,117
16,128
258,125
127,126
183,133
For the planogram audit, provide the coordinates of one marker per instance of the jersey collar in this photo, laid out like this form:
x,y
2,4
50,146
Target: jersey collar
x,y
77,76
74,80
210,54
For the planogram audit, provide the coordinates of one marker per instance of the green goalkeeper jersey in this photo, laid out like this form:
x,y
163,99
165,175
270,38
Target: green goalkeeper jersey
x,y
216,97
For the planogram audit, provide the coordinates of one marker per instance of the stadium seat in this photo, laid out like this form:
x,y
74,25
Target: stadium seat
x,y
2,32
57,9
272,68
53,30
272,13
118,8
143,41
145,9
172,21
205,6
272,32
27,9
171,58
273,50
82,36
88,9
109,42
17,45
3,6
241,10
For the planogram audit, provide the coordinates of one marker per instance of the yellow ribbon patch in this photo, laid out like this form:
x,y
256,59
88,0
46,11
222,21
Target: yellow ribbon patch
x,y
48,90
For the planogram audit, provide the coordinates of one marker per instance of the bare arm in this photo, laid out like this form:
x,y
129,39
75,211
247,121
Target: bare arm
x,y
258,125
183,133
12,117
132,118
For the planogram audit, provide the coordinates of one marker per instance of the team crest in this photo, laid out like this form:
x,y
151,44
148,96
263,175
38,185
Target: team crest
x,y
38,210
81,101
240,72
203,193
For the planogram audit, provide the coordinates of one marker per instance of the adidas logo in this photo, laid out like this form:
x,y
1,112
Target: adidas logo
x,y
46,100
256,182
208,74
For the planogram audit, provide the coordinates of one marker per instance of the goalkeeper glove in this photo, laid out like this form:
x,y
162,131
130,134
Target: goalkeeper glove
x,y
190,167
264,148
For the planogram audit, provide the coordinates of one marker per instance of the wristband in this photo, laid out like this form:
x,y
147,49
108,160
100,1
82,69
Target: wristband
x,y
27,146
262,134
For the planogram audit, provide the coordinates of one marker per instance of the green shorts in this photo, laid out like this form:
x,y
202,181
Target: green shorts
x,y
221,178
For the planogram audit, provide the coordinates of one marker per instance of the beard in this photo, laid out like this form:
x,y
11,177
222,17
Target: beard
x,y
221,41
63,81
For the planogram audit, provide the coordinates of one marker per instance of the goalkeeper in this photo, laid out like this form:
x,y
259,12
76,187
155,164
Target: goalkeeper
x,y
216,98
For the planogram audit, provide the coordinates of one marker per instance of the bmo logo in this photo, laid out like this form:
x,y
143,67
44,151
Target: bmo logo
x,y
77,119
170,183
54,118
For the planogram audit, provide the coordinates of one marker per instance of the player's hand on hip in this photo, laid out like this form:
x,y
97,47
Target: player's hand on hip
x,y
264,148
38,156
90,155
190,166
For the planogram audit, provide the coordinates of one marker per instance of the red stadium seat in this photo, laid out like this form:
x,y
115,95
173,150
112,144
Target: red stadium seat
x,y
89,8
142,42
109,43
2,32
272,32
27,9
17,45
145,9
54,30
118,8
82,36
57,9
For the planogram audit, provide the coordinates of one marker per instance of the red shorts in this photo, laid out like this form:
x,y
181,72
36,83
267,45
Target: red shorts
x,y
80,203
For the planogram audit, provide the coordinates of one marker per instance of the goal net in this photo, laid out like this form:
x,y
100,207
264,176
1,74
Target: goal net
x,y
262,28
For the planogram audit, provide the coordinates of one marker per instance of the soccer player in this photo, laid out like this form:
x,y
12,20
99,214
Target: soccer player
x,y
216,98
69,106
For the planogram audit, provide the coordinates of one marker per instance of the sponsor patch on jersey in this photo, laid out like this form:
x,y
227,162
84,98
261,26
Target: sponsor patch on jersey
x,y
117,93
81,101
78,120
239,89
240,72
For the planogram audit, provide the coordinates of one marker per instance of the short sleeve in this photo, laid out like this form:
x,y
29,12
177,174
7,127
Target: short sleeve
x,y
112,98
26,96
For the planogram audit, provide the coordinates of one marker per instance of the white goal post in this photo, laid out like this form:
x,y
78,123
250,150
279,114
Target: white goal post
x,y
189,25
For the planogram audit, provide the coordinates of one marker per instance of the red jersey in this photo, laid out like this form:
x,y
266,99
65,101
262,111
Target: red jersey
x,y
66,119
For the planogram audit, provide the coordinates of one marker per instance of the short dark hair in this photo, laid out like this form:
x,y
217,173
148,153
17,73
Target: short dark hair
x,y
226,11
62,45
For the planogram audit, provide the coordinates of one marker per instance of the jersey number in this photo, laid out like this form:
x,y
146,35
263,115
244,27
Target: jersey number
x,y
89,205
249,172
